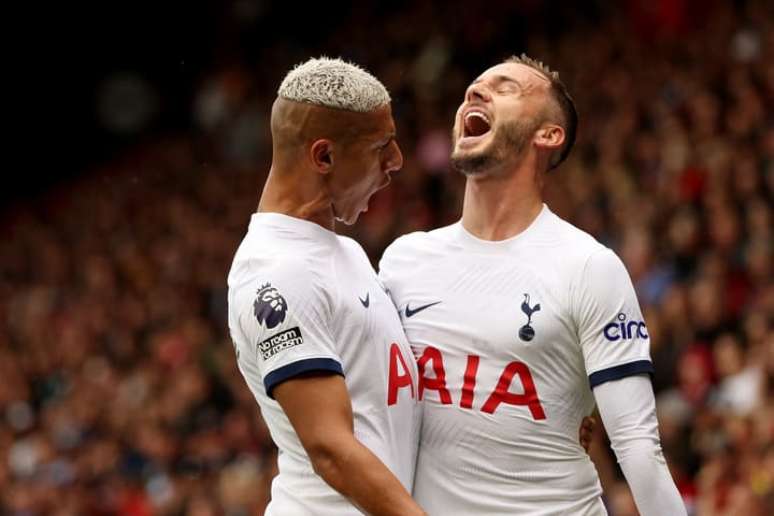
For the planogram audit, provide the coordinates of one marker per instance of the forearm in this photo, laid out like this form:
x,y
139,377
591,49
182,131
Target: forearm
x,y
354,471
319,408
651,484
628,411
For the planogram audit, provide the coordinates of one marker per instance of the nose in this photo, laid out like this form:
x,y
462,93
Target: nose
x,y
477,92
394,161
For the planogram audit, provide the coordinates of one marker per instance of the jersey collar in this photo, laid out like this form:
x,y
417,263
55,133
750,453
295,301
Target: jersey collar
x,y
473,242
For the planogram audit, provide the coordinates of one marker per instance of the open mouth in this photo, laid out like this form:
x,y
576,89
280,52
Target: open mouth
x,y
475,124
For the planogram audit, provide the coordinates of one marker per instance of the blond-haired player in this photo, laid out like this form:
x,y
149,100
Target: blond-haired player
x,y
317,339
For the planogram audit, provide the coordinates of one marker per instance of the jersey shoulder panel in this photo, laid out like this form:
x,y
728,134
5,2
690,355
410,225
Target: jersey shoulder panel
x,y
295,273
398,253
294,257
611,329
282,293
410,244
354,247
404,243
403,254
576,245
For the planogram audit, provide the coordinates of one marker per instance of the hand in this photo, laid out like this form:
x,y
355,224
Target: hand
x,y
586,432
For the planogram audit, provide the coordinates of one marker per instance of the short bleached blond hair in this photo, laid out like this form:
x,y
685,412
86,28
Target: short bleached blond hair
x,y
334,83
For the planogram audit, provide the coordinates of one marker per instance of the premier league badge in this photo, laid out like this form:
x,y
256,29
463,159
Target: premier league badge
x,y
269,306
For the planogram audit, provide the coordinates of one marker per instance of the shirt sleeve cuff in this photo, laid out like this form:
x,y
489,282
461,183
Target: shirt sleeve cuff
x,y
289,371
620,371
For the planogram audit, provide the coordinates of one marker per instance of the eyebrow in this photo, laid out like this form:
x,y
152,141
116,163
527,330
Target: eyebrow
x,y
387,139
499,79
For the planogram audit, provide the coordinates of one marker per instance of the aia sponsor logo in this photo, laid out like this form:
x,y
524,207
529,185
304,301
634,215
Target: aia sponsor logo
x,y
621,329
515,385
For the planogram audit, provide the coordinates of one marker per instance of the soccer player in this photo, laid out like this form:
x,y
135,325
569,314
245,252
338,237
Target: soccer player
x,y
520,323
317,339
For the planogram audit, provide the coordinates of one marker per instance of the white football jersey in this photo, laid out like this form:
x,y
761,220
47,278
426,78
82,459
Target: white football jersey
x,y
302,298
510,338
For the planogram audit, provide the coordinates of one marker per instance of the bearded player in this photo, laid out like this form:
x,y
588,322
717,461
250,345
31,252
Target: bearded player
x,y
521,323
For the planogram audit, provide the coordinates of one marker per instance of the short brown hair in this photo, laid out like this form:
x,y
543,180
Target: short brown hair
x,y
563,99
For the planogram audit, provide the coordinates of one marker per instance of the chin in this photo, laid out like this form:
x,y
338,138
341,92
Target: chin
x,y
471,163
349,219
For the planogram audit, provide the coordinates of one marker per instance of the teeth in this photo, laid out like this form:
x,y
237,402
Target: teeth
x,y
479,115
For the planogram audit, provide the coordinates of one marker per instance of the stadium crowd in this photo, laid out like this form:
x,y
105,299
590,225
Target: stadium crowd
x,y
118,386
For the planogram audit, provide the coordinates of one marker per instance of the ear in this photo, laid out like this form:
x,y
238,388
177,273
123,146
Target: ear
x,y
549,137
321,154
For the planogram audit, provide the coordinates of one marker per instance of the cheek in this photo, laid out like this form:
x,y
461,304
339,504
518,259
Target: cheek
x,y
375,177
347,178
377,168
456,128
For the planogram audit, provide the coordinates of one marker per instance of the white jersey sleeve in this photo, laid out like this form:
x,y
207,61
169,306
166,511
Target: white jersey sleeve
x,y
628,410
612,332
287,321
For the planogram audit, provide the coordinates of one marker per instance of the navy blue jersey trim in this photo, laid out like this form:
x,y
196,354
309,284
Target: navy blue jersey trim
x,y
287,372
620,371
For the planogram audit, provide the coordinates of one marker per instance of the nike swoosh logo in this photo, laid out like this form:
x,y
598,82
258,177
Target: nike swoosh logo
x,y
367,301
410,312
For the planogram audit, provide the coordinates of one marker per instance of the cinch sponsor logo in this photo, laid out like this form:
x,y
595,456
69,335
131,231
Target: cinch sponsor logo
x,y
281,341
622,330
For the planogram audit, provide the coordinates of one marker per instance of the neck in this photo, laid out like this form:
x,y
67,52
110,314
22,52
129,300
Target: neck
x,y
288,193
500,207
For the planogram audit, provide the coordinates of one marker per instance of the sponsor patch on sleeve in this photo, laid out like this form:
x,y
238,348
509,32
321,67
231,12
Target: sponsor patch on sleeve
x,y
279,342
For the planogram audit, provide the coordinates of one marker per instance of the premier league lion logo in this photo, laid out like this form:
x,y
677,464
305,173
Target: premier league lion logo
x,y
269,307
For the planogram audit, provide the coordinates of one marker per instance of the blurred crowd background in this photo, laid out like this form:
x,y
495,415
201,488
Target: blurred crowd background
x,y
118,387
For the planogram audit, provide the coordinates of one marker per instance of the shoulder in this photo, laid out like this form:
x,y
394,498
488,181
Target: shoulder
x,y
280,276
573,246
419,242
603,263
604,279
353,247
572,236
272,253
279,266
406,242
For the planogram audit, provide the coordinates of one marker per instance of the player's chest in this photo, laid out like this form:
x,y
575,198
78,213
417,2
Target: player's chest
x,y
365,323
500,309
364,310
371,341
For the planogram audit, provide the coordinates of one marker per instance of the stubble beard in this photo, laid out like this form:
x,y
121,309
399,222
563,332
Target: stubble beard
x,y
510,140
